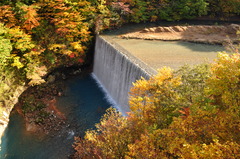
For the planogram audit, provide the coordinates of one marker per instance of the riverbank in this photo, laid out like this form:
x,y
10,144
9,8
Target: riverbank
x,y
211,34
82,103
8,106
38,104
50,90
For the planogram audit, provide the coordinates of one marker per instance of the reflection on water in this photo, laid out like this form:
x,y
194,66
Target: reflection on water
x,y
83,103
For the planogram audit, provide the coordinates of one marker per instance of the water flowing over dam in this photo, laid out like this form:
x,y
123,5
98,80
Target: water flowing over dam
x,y
116,69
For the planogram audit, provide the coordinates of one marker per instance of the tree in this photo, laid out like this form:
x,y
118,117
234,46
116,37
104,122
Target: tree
x,y
102,142
223,8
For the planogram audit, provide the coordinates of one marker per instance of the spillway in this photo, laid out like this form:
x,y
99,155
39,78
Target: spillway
x,y
116,69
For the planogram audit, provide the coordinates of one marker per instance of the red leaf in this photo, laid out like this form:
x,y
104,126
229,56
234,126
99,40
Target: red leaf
x,y
80,60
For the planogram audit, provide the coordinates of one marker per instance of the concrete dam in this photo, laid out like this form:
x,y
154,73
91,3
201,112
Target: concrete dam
x,y
120,62
116,69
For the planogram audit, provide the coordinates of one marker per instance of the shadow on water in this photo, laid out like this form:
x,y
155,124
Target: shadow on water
x,y
199,47
168,46
128,28
83,104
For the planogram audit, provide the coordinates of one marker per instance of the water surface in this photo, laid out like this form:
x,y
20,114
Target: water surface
x,y
83,103
174,54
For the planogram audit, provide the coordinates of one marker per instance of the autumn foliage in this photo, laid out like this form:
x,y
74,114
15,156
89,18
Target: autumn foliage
x,y
190,113
37,36
61,31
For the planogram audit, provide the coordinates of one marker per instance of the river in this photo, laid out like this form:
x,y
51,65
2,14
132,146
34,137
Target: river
x,y
83,103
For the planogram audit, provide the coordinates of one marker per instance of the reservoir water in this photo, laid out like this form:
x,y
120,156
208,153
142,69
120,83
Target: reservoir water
x,y
83,103
174,54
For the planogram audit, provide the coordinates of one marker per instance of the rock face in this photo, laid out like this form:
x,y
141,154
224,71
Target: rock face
x,y
217,34
8,104
38,106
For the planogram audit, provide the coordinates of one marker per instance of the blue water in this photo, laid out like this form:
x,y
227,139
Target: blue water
x,y
83,103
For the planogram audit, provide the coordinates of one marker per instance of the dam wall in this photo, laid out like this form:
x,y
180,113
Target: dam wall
x,y
116,69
